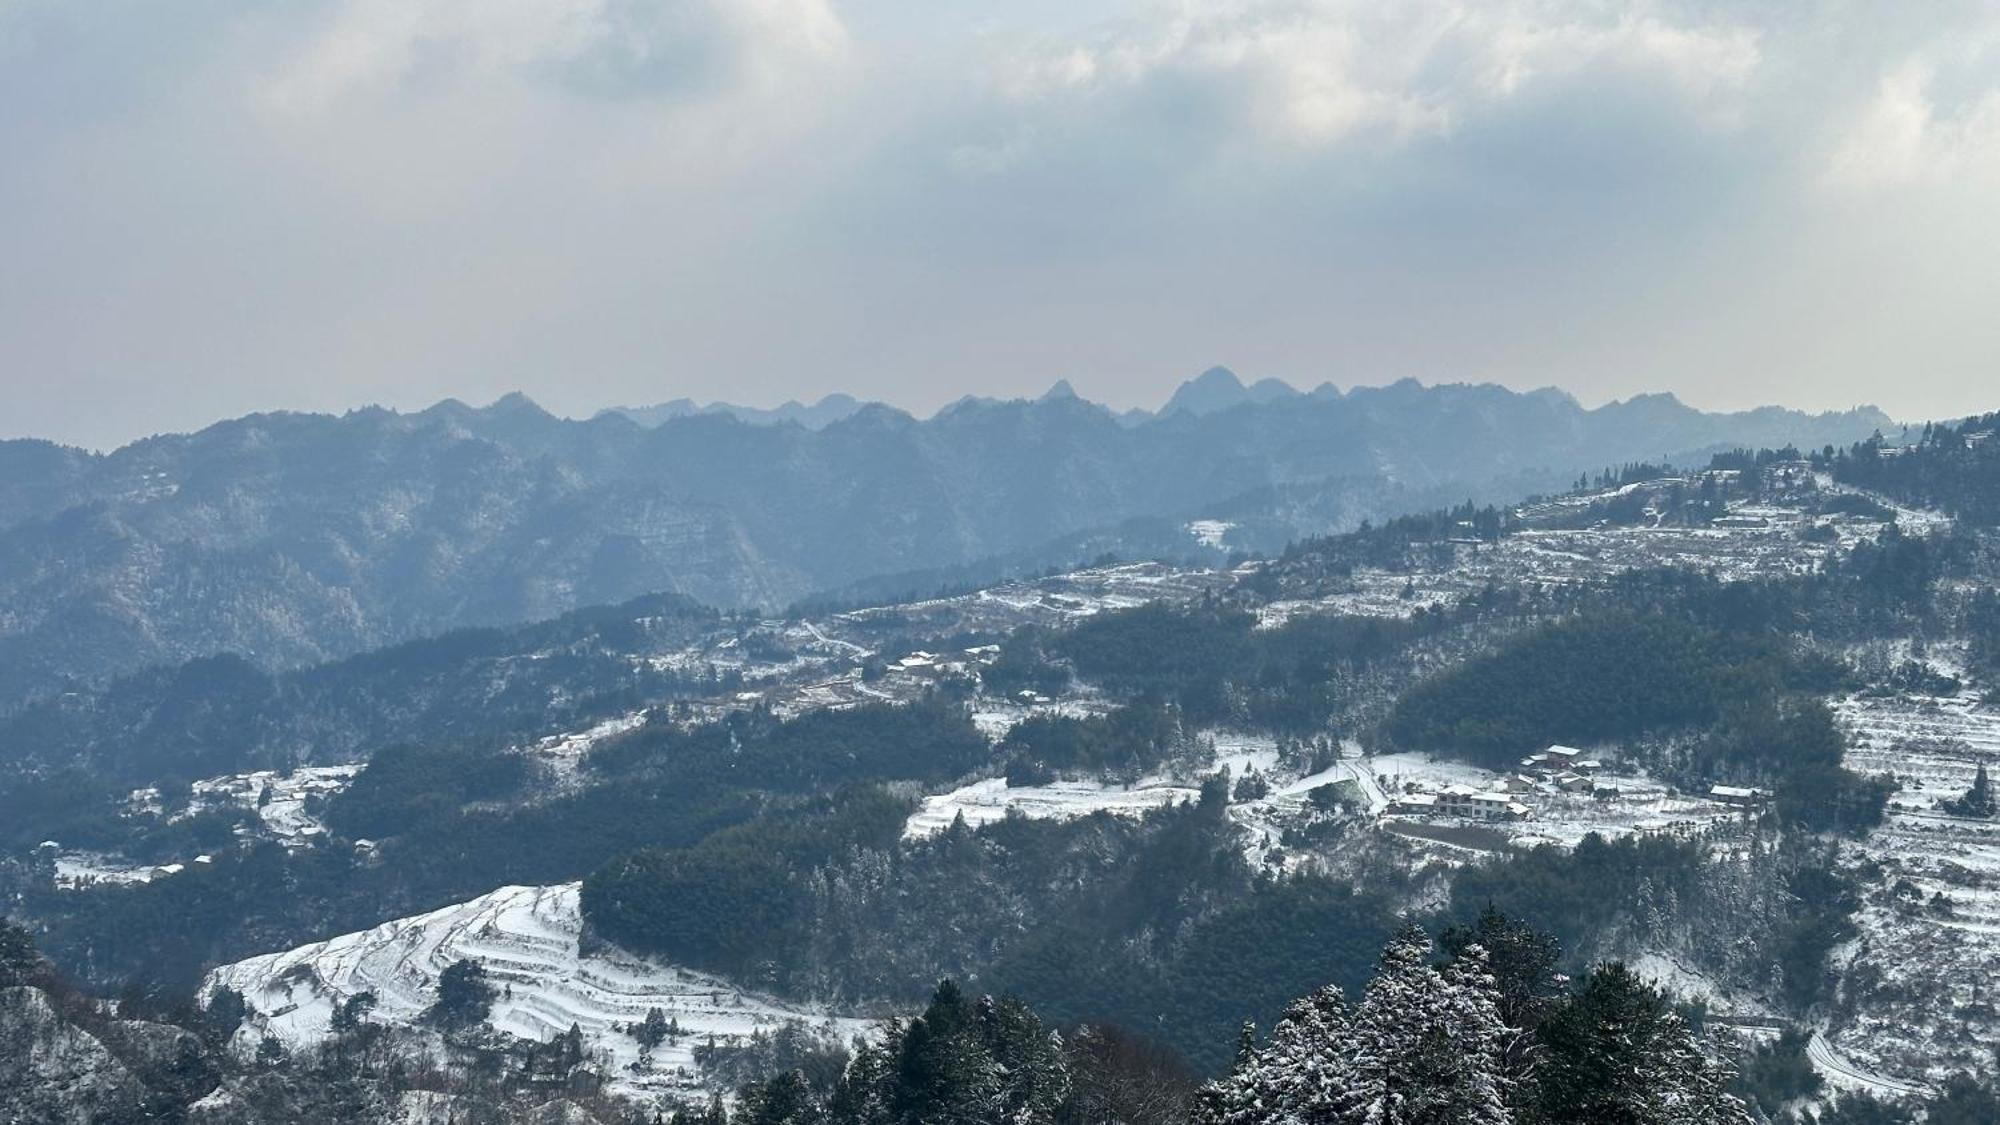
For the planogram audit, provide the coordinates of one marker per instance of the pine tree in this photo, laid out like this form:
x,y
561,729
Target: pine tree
x,y
1977,800
464,995
1616,1054
711,1114
1476,1035
653,1030
1232,1098
1426,1046
942,1072
784,1100
1306,1068
1299,1075
867,1091
1034,1078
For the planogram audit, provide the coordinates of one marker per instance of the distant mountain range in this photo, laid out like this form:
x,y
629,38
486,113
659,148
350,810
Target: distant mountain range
x,y
819,415
293,538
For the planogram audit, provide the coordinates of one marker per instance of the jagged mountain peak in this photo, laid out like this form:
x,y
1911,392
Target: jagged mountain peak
x,y
1219,388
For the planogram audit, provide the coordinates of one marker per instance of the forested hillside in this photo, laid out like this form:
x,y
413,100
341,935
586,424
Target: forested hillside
x,y
290,539
66,763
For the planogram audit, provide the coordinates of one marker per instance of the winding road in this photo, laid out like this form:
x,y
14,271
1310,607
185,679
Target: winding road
x,y
1844,1072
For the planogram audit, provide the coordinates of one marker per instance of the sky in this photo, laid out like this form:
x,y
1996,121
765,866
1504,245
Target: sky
x,y
211,207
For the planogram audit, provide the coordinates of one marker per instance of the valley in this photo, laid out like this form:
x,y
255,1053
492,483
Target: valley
x,y
959,786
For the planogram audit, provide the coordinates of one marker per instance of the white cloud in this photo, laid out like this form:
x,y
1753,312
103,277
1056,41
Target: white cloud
x,y
1903,137
372,47
604,200
1323,71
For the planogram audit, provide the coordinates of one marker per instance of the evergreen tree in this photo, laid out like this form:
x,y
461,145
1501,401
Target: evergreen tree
x,y
1522,960
1233,1098
653,1030
1977,800
1034,1077
1304,1071
464,995
1617,1054
1426,1045
351,1013
867,1091
785,1100
224,1013
943,1075
20,962
711,1114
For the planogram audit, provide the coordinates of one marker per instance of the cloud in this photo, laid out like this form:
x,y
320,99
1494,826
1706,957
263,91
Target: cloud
x,y
1317,72
1903,136
218,205
626,47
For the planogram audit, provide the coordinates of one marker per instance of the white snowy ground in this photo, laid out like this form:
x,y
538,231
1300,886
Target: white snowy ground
x,y
565,752
984,802
996,716
284,815
84,869
1643,805
1211,533
1572,556
527,939
1919,979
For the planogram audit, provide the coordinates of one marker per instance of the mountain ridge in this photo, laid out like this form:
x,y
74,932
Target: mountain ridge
x,y
293,538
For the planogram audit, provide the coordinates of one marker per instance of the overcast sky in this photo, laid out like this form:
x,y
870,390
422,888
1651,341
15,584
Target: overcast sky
x,y
215,206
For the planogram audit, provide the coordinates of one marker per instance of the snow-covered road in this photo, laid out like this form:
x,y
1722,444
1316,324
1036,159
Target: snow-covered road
x,y
1845,1073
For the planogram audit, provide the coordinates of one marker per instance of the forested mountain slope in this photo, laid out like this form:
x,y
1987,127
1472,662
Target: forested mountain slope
x,y
294,538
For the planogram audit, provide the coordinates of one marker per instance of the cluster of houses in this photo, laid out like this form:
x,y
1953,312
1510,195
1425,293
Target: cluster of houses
x,y
852,687
1463,800
1567,768
1559,767
936,666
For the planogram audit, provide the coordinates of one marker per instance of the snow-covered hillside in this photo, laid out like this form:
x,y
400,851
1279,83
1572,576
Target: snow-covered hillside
x,y
984,802
527,938
1916,980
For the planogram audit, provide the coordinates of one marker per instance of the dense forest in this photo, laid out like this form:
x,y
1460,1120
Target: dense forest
x,y
68,762
1479,1026
1951,467
1215,665
1747,709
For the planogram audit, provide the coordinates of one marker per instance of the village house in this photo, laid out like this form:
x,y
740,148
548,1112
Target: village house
x,y
1479,804
1558,759
1740,796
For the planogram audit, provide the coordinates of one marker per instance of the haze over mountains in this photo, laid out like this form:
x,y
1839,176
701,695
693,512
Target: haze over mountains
x,y
293,538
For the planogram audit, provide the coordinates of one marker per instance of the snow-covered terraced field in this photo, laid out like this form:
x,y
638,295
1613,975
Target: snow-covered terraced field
x,y
1931,744
1918,998
527,938
84,869
279,798
984,802
569,749
1769,541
